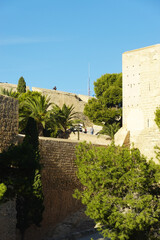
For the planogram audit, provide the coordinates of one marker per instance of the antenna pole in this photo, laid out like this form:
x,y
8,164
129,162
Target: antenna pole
x,y
88,79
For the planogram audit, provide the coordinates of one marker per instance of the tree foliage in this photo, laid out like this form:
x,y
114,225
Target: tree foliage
x,y
36,106
21,88
20,178
121,191
157,117
106,107
64,119
10,93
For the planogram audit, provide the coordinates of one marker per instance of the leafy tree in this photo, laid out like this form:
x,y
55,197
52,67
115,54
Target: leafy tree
x,y
121,191
21,88
20,178
157,117
106,107
29,201
3,189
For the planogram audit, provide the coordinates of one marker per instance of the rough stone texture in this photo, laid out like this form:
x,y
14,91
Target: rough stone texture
x,y
8,134
8,221
10,86
141,96
8,121
59,181
59,98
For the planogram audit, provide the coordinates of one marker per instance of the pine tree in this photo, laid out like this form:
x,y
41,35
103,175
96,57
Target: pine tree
x,y
121,191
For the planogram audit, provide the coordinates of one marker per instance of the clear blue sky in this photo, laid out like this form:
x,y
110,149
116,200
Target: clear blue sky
x,y
52,42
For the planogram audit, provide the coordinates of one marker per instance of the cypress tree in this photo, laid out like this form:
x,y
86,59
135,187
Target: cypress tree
x,y
29,202
21,88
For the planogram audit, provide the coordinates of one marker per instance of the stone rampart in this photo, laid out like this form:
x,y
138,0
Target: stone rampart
x,y
8,121
59,98
10,86
59,181
8,134
58,177
141,97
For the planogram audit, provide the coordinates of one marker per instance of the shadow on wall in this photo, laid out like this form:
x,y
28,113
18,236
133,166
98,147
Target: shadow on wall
x,y
59,181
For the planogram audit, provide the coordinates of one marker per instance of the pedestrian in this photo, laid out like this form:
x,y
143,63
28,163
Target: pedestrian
x,y
92,130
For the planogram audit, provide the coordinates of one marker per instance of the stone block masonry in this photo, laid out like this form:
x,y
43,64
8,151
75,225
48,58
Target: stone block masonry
x,y
8,121
59,181
8,135
141,97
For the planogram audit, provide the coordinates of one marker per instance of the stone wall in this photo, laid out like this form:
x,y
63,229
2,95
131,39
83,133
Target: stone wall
x,y
59,181
59,98
8,134
141,97
58,177
8,121
9,86
8,221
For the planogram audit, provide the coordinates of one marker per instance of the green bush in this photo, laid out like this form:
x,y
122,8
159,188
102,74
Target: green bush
x,y
121,191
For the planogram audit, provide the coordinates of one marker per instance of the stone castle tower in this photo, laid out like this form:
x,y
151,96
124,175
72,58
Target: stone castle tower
x,y
141,97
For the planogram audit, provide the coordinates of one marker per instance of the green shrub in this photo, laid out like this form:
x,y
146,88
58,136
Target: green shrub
x,y
120,190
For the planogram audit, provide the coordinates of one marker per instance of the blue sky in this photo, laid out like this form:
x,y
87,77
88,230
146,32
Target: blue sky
x,y
53,42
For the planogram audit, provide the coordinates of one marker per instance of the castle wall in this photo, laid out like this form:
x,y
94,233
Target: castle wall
x,y
59,98
141,97
8,121
9,86
141,88
59,181
58,177
8,133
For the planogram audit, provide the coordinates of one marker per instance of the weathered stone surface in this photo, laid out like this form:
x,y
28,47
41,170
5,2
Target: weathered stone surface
x,y
8,135
141,97
8,121
8,221
59,181
59,98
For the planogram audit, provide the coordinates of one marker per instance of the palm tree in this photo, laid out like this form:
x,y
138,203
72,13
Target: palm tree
x,y
110,129
9,93
37,107
64,119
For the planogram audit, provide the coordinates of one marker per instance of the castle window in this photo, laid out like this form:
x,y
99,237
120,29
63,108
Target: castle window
x,y
149,87
148,122
131,85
